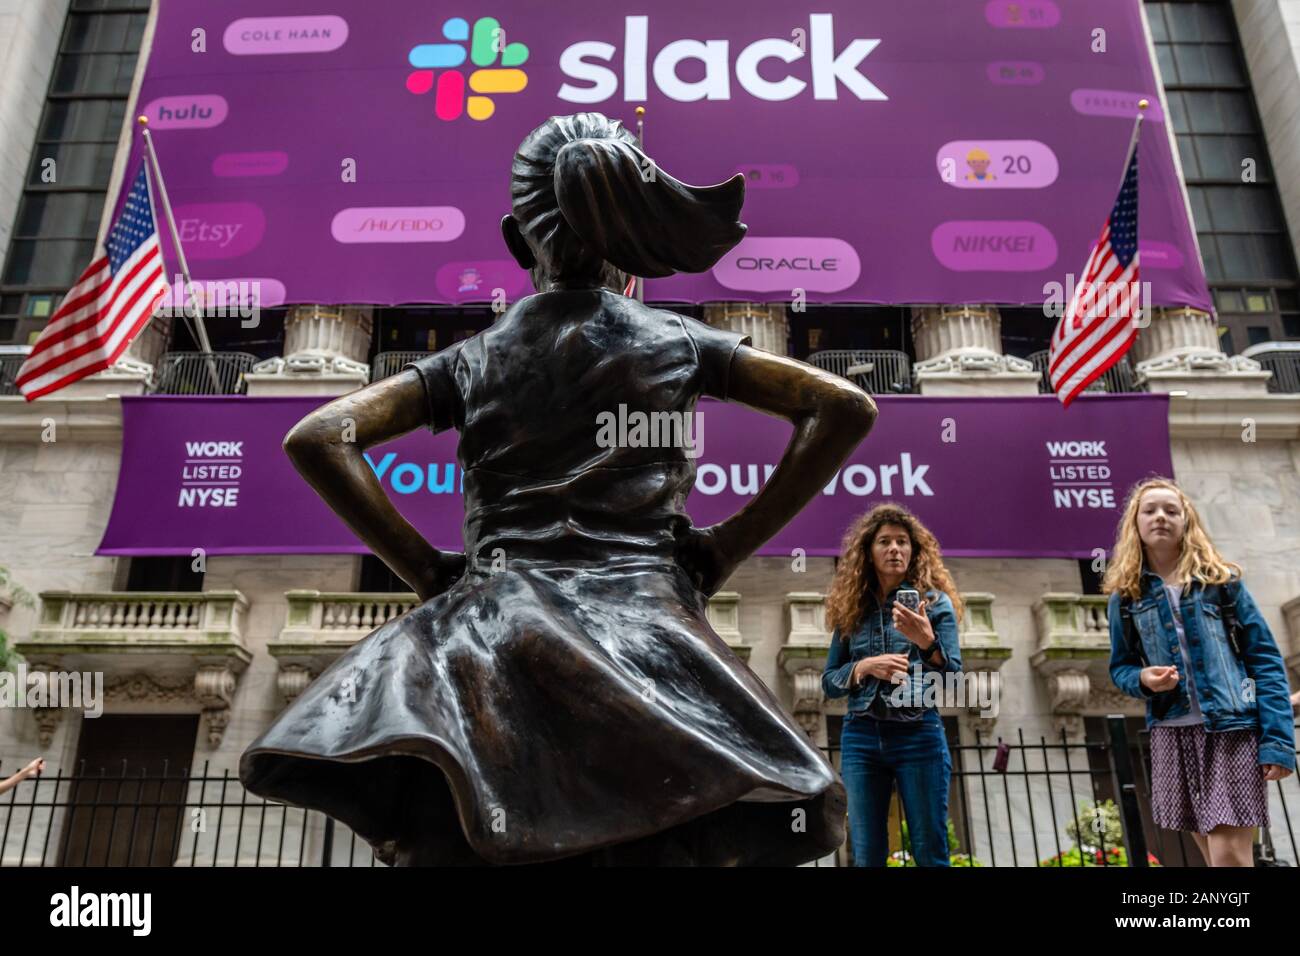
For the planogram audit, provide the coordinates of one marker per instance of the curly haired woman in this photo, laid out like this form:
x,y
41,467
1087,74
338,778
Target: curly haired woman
x,y
877,640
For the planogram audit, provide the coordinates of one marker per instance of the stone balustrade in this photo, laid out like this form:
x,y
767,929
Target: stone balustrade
x,y
723,614
1073,657
320,626
174,647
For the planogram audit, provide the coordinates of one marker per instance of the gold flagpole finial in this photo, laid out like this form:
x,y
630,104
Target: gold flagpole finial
x,y
142,120
1143,104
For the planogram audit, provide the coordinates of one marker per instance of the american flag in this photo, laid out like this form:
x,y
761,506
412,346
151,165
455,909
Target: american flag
x,y
112,301
1102,319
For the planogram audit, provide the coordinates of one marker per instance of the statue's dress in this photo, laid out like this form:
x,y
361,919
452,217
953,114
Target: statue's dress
x,y
574,702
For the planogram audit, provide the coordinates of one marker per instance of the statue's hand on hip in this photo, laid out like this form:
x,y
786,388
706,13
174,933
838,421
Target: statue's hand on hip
x,y
704,558
446,570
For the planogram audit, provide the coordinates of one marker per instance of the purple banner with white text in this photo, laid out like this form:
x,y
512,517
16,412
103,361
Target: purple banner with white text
x,y
992,477
927,151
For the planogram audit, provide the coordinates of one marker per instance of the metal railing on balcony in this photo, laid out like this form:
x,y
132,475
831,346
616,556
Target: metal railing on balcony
x,y
875,371
1120,377
1283,360
11,360
390,363
202,373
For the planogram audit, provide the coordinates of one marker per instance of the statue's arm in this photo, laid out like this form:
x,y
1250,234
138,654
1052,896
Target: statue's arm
x,y
830,415
327,447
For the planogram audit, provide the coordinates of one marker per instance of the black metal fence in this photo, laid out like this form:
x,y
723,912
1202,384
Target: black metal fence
x,y
876,371
1012,803
126,818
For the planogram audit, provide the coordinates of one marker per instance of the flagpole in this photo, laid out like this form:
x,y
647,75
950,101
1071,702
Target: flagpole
x,y
1133,140
199,328
640,138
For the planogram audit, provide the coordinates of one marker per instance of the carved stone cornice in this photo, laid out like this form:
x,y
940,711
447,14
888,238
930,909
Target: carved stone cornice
x,y
137,688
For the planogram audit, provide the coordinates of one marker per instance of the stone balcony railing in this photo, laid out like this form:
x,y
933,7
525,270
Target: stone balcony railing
x,y
1073,656
803,656
173,648
723,614
321,626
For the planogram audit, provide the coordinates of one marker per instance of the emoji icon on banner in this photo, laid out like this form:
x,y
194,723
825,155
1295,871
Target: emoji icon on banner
x,y
978,160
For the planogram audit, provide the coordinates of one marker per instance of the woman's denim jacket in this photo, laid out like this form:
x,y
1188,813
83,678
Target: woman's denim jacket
x,y
1234,694
876,635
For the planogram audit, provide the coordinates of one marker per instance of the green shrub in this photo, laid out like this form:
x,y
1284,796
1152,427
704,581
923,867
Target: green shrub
x,y
8,657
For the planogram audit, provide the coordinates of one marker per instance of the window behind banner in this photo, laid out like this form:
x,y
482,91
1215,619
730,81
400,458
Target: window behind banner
x,y
72,159
1249,260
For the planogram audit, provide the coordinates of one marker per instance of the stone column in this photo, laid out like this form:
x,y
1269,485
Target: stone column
x,y
959,352
766,322
325,349
1179,351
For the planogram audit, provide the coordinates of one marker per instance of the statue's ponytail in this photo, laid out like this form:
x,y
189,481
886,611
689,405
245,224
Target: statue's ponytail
x,y
606,197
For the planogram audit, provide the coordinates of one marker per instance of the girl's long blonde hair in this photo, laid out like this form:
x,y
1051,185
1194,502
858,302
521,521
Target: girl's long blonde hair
x,y
1200,560
855,577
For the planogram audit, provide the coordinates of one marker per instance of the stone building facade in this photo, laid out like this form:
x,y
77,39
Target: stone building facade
x,y
232,654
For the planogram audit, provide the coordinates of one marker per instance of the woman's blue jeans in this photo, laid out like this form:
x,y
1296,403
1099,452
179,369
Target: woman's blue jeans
x,y
873,756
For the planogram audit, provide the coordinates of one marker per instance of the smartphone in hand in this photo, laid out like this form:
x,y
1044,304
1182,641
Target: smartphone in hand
x,y
910,599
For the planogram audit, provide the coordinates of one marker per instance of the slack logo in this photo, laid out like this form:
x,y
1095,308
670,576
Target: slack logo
x,y
487,43
829,71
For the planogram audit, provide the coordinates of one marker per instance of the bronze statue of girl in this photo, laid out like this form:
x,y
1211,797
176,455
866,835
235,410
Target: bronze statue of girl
x,y
562,697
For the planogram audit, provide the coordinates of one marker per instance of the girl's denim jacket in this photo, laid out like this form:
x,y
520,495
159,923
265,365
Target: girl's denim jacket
x,y
876,635
1235,693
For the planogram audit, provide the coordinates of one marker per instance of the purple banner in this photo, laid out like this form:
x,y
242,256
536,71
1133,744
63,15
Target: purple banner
x,y
895,152
992,477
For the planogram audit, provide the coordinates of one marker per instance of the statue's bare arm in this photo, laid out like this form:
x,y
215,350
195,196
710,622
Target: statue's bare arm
x,y
327,447
830,415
